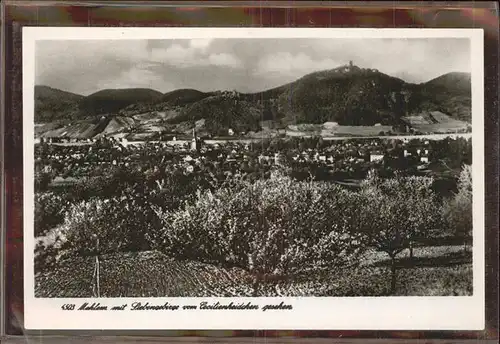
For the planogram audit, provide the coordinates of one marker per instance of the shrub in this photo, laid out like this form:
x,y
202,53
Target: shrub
x,y
398,211
49,211
271,227
45,256
100,226
458,210
42,181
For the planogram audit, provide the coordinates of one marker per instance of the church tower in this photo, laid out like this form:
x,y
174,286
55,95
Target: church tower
x,y
350,63
195,142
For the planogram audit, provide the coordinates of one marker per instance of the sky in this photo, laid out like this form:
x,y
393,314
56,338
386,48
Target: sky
x,y
245,65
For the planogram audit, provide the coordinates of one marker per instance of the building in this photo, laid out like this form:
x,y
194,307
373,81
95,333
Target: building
x,y
376,157
279,159
330,125
195,142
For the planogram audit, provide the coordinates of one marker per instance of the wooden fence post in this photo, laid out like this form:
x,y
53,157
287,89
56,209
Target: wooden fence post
x,y
98,270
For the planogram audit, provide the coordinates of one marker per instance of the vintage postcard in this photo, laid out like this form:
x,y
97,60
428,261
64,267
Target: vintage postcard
x,y
237,178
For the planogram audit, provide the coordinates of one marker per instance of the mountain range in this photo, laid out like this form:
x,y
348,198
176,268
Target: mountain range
x,y
347,96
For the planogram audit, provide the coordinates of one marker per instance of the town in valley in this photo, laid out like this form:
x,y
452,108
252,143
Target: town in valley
x,y
344,181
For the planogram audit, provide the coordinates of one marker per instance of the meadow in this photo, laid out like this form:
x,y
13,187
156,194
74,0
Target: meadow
x,y
328,130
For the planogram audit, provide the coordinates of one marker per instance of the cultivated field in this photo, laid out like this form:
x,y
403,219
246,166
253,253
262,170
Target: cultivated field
x,y
327,129
436,122
434,271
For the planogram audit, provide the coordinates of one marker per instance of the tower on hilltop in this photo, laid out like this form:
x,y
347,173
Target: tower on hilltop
x,y
350,63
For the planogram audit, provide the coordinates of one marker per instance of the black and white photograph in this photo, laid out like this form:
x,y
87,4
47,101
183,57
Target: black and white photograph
x,y
291,167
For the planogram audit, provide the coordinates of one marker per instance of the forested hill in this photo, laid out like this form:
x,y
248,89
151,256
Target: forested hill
x,y
53,104
352,95
348,95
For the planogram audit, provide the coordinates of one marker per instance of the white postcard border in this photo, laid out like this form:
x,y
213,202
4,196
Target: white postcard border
x,y
339,313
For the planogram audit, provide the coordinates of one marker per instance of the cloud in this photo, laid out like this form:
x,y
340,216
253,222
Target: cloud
x,y
174,55
224,59
80,66
201,44
247,65
293,64
418,60
136,77
196,54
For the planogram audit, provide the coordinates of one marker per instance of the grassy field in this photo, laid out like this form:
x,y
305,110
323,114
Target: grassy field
x,y
434,271
435,122
339,130
346,130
